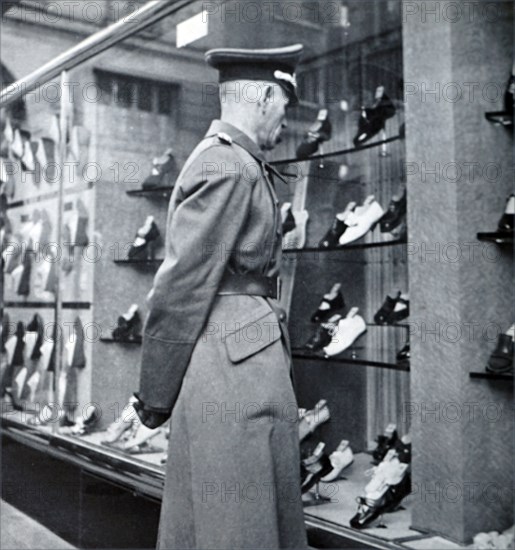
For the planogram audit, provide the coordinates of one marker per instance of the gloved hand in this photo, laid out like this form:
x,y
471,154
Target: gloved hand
x,y
149,418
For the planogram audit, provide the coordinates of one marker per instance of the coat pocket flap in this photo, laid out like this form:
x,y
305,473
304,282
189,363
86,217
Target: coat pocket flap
x,y
253,337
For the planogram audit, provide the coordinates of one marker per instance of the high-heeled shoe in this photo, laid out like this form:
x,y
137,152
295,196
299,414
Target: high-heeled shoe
x,y
332,237
331,302
314,468
164,171
146,234
319,132
373,119
121,427
129,326
323,335
395,214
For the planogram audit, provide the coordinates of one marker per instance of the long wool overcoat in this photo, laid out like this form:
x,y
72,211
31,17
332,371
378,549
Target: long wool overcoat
x,y
222,363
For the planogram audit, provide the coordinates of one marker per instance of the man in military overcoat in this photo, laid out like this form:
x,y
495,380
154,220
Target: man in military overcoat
x,y
216,352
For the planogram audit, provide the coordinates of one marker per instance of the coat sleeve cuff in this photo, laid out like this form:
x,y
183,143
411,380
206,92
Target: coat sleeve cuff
x,y
163,366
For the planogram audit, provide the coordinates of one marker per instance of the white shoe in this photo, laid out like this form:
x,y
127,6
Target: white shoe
x,y
296,238
340,459
141,437
17,145
361,220
348,331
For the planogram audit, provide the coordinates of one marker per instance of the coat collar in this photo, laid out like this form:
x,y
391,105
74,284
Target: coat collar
x,y
243,140
239,137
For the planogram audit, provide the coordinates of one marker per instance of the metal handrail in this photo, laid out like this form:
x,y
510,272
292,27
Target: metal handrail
x,y
147,15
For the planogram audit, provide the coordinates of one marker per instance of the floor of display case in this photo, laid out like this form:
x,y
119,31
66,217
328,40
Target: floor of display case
x,y
144,475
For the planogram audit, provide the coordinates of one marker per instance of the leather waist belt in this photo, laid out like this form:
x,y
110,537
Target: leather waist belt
x,y
250,285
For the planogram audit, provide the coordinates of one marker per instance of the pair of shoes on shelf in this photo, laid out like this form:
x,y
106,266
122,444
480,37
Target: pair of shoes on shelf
x,y
146,236
319,133
373,119
353,223
347,331
393,310
164,172
502,358
128,327
293,227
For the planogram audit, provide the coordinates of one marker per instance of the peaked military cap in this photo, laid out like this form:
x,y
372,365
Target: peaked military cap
x,y
272,65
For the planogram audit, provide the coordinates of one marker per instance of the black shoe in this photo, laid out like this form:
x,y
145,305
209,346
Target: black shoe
x,y
400,312
373,119
385,442
394,215
332,237
164,172
501,359
288,223
146,234
334,300
84,425
385,311
368,511
504,117
396,493
507,222
404,355
37,325
318,133
323,334
403,450
129,326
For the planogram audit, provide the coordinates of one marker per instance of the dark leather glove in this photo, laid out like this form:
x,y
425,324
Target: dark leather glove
x,y
150,418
